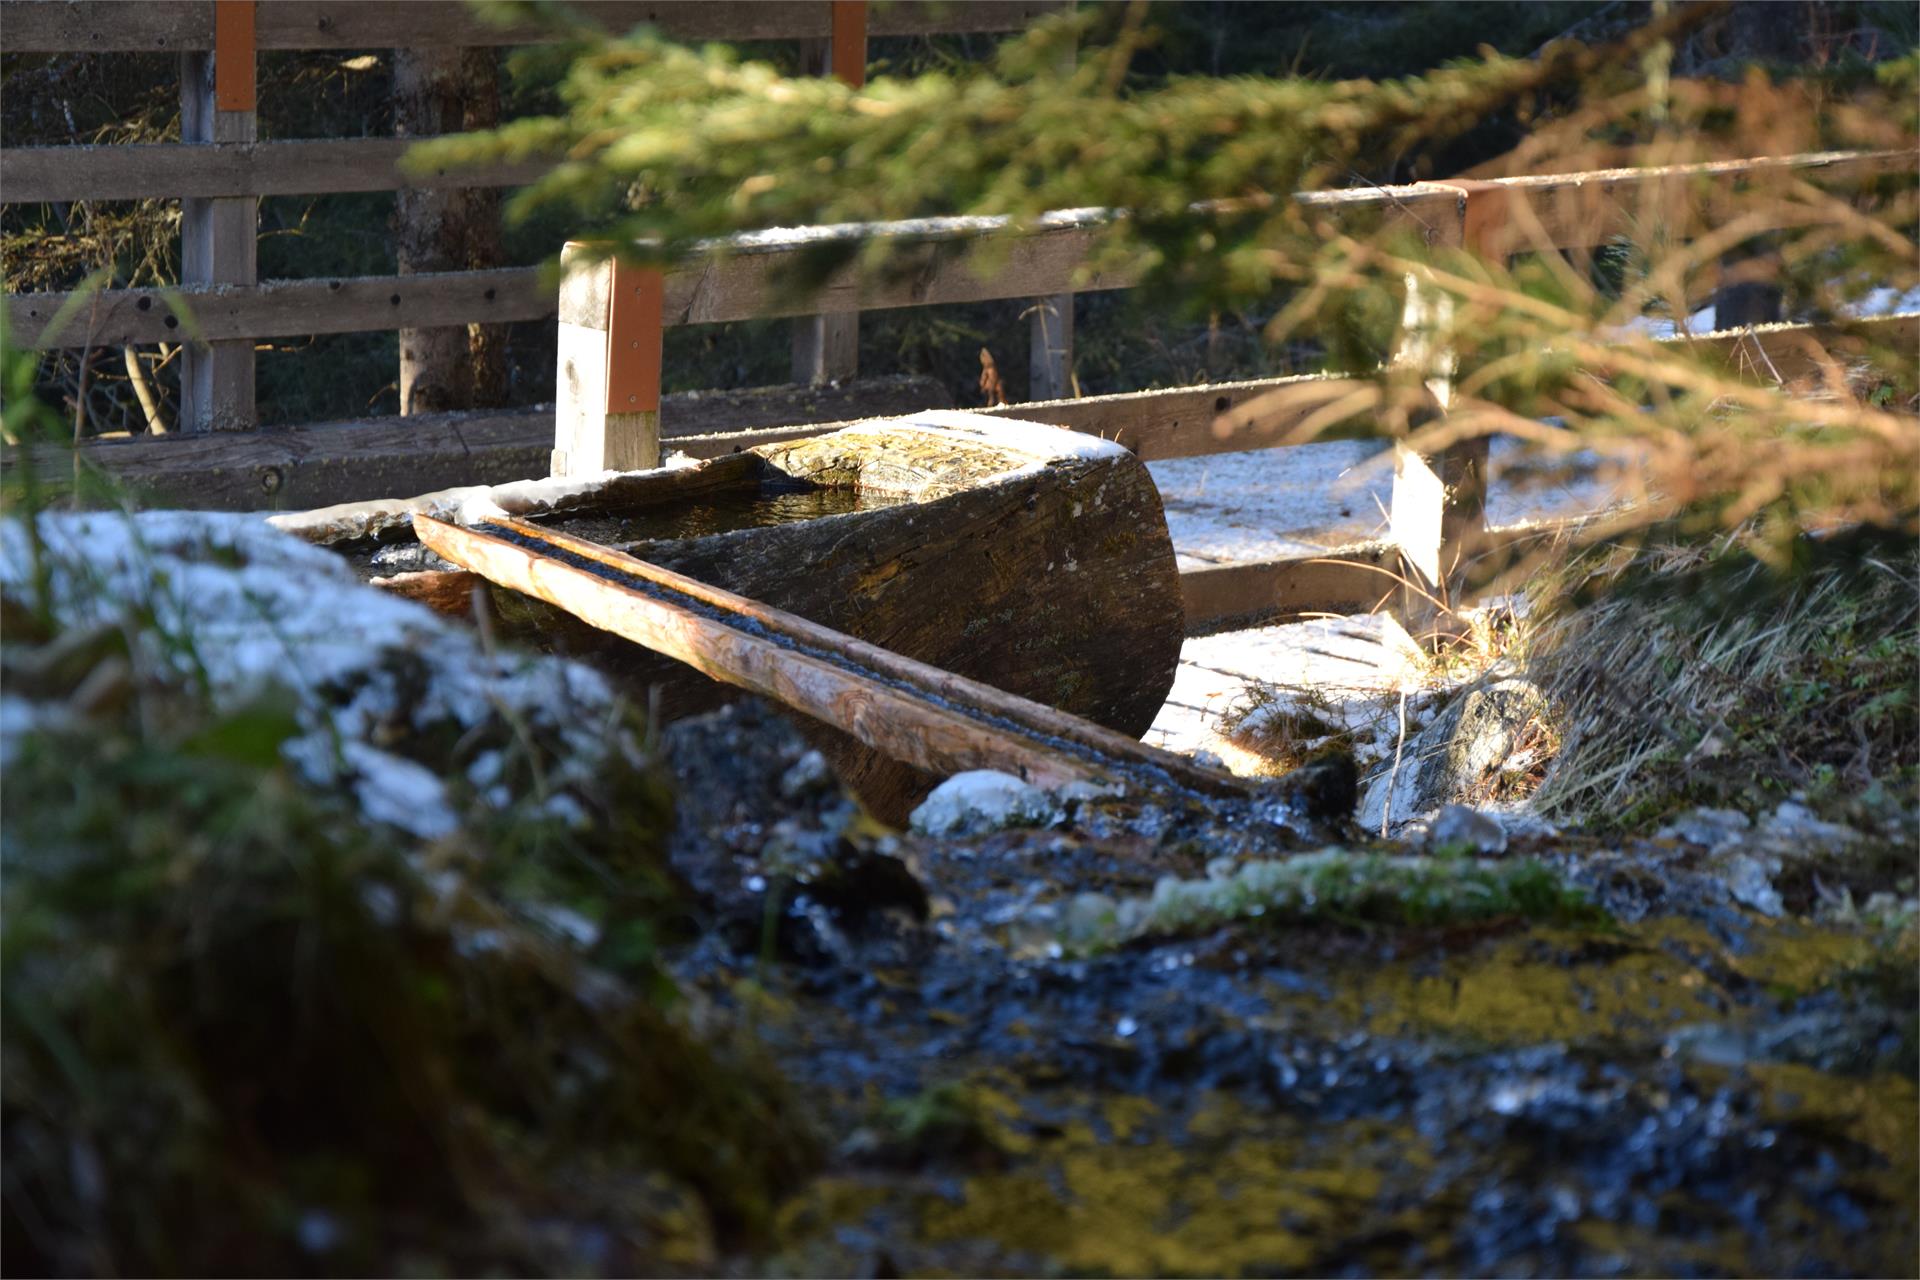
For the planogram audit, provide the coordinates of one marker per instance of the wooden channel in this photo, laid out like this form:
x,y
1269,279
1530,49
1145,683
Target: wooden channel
x,y
917,714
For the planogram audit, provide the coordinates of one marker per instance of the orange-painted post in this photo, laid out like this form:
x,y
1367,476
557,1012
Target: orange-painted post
x,y
827,348
607,410
218,236
847,56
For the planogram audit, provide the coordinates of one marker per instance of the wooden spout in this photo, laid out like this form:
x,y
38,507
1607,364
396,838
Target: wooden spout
x,y
915,713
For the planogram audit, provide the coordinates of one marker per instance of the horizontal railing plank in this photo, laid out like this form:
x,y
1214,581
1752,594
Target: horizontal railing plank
x,y
33,175
742,286
1584,210
1183,422
943,260
400,457
170,26
1795,352
283,308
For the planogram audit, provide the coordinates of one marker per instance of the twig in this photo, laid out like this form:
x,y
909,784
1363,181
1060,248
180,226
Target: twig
x,y
1399,744
143,391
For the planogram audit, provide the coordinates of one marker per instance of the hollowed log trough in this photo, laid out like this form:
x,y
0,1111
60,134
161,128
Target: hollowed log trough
x,y
1023,556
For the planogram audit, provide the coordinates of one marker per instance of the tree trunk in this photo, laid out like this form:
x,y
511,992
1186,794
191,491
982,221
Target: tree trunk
x,y
448,91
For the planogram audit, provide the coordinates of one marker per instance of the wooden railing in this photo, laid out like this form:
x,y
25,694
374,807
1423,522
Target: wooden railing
x,y
337,462
220,170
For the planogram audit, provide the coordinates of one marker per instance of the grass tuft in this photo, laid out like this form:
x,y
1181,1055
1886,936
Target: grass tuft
x,y
1706,678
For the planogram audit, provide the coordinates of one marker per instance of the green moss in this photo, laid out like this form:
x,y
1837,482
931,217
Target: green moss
x,y
244,1031
1336,886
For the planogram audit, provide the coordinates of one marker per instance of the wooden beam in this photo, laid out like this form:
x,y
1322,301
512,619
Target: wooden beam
x,y
1803,352
172,26
1050,317
286,308
38,175
938,267
1188,422
1358,578
1438,510
940,261
391,457
1340,580
218,237
924,717
1050,348
384,457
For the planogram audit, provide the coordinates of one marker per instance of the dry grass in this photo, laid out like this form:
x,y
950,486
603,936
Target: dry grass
x,y
1704,678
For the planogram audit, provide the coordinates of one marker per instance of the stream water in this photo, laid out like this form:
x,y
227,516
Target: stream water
x,y
708,514
1682,1088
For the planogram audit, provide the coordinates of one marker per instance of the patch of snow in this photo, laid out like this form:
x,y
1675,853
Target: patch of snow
x,y
771,239
1883,301
1352,660
1266,504
983,800
243,606
1014,435
1749,882
1708,828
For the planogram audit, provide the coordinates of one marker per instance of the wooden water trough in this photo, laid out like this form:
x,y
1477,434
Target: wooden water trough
x,y
896,580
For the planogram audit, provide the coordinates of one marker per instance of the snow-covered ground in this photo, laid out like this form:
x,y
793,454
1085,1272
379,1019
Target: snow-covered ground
x,y
1234,508
1264,504
1344,656
1878,302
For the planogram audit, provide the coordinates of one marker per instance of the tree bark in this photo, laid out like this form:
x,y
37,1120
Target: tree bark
x,y
464,367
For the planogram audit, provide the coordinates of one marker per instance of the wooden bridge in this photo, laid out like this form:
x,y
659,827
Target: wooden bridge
x,y
614,412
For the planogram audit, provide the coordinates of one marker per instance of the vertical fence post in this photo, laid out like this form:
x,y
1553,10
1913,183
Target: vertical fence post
x,y
447,367
1439,511
217,236
1050,338
607,393
827,348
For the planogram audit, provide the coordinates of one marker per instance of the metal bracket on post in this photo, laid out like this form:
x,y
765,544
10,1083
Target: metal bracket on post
x,y
607,410
218,236
827,348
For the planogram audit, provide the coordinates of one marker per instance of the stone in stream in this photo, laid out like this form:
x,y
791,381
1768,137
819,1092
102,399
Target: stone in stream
x,y
1031,558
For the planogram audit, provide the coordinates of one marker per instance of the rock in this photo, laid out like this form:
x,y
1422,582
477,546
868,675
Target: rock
x,y
393,704
1461,826
1708,828
1793,828
1322,791
809,773
980,801
1749,882
1468,742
